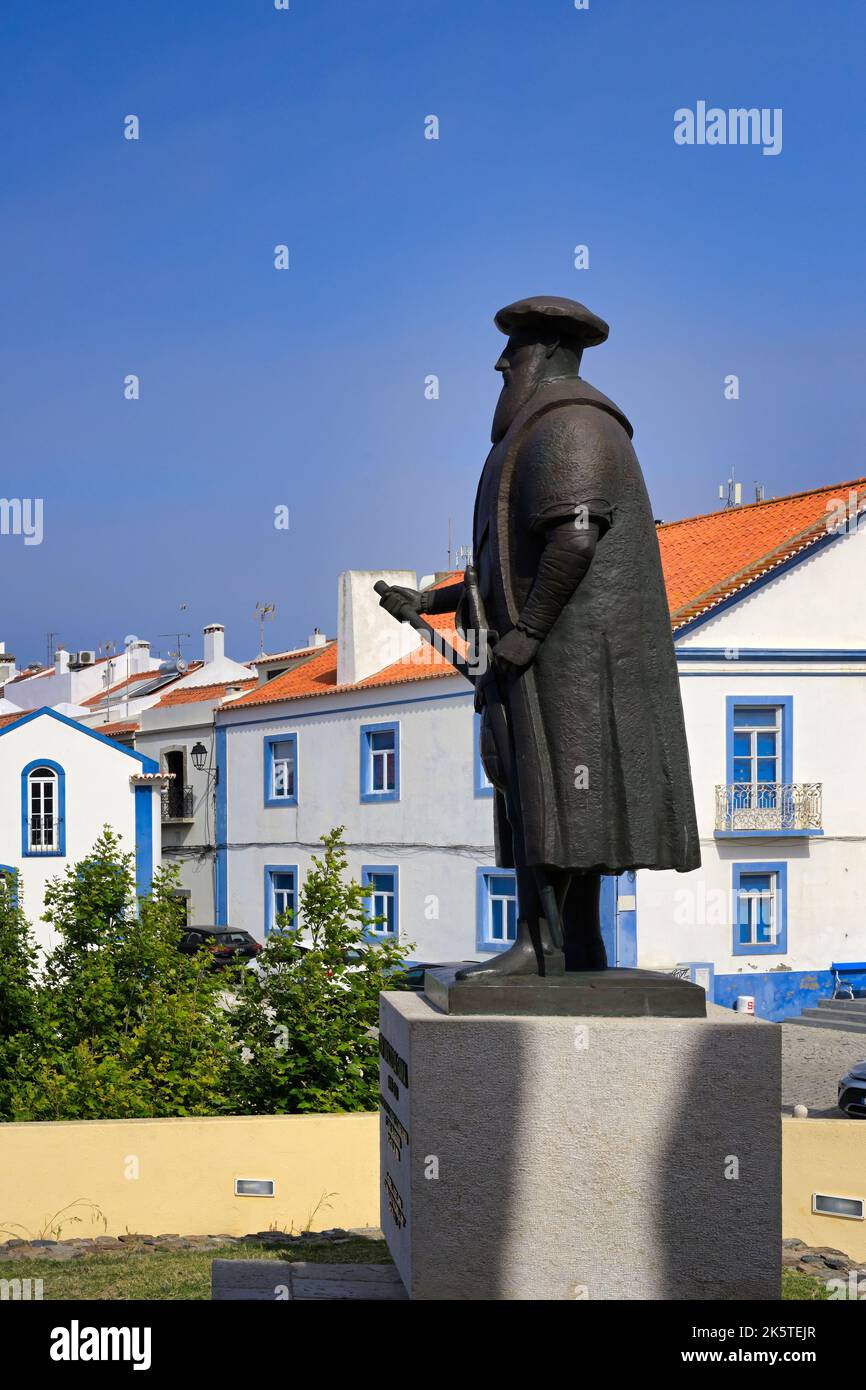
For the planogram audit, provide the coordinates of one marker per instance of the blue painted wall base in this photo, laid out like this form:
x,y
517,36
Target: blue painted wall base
x,y
778,994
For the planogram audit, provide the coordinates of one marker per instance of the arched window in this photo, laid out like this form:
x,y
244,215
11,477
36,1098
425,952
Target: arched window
x,y
43,810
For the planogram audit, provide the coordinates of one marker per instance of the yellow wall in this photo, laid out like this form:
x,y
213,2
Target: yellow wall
x,y
326,1169
827,1156
186,1170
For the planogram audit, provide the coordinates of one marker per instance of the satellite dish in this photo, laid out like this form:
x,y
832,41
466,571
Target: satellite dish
x,y
129,639
180,664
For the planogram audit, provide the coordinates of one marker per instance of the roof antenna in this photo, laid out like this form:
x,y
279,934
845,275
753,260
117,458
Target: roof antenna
x,y
177,653
732,495
759,492
261,615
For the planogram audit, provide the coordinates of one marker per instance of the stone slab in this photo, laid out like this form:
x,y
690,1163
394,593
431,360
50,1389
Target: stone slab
x,y
272,1281
538,1158
615,993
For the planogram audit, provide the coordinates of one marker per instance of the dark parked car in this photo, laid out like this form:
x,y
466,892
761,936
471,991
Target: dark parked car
x,y
225,944
852,1092
415,970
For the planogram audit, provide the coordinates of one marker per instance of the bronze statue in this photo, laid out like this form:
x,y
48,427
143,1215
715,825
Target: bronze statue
x,y
582,725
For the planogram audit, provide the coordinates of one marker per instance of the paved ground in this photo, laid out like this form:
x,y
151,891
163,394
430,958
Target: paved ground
x,y
813,1059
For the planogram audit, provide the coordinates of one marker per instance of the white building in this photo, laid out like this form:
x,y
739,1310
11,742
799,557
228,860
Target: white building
x,y
60,785
767,610
769,614
175,727
76,677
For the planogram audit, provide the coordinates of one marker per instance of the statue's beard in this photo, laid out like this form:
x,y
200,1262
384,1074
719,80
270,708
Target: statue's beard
x,y
512,398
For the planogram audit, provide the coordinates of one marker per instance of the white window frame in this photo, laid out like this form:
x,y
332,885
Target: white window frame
x,y
36,787
284,765
757,895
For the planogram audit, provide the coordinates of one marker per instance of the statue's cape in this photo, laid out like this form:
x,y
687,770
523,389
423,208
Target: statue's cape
x,y
603,692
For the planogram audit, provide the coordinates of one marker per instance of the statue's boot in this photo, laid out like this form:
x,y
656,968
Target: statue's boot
x,y
584,951
533,953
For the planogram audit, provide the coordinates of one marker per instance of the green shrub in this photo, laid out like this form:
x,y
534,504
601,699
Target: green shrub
x,y
306,1017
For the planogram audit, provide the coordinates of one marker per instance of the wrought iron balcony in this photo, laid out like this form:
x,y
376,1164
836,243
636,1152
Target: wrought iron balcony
x,y
178,803
42,835
782,807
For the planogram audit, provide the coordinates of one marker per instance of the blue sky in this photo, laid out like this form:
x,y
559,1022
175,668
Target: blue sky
x,y
305,387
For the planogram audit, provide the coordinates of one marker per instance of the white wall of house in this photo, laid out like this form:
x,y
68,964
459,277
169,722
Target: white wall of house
x,y
98,792
188,845
813,610
688,917
437,834
67,685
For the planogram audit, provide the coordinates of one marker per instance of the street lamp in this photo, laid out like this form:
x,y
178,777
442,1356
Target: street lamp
x,y
198,753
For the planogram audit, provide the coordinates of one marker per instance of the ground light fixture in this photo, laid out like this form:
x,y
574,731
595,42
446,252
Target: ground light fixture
x,y
255,1187
825,1205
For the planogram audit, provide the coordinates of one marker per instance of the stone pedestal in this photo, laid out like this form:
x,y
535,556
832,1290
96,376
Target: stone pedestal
x,y
580,1158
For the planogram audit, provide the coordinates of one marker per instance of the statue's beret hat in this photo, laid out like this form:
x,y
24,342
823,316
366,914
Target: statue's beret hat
x,y
552,314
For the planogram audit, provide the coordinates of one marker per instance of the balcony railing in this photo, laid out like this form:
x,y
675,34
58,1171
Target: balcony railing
x,y
178,803
769,806
42,836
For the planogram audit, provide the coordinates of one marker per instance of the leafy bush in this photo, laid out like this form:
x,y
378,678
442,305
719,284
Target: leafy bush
x,y
307,1015
124,1024
17,998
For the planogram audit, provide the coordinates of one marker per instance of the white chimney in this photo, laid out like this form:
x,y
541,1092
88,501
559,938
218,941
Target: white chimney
x,y
317,639
214,643
368,638
138,653
61,661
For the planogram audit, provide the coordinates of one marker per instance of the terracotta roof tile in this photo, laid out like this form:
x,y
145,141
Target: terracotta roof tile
x,y
704,560
707,558
191,695
113,730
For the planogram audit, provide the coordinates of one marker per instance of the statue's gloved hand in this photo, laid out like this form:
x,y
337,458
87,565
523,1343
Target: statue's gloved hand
x,y
397,599
515,651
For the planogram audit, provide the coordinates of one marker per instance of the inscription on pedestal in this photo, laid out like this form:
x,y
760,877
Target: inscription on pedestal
x,y
395,1202
394,1069
394,1060
396,1133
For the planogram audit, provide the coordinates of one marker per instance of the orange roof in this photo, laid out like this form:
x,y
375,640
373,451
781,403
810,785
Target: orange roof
x,y
113,730
707,558
285,656
318,675
10,718
191,695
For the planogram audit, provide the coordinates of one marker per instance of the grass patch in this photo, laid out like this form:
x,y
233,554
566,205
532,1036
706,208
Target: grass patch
x,y
146,1273
803,1286
184,1275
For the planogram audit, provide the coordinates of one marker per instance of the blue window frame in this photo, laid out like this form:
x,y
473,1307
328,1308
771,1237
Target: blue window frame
x,y
483,785
43,809
383,901
281,894
496,918
380,762
760,909
281,770
759,741
9,882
